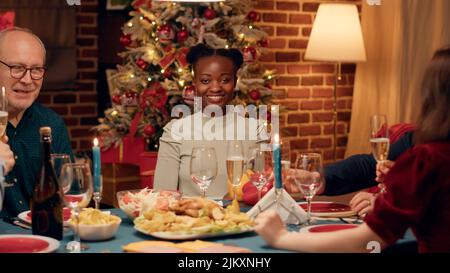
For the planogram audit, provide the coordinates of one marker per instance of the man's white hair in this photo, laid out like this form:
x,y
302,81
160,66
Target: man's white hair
x,y
5,32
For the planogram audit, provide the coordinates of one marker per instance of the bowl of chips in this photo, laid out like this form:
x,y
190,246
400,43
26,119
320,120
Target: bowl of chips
x,y
96,225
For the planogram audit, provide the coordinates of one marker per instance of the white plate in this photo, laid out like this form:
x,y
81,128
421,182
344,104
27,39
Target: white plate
x,y
178,236
23,216
35,244
336,211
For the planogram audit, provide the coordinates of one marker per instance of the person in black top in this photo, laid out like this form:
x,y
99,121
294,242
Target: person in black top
x,y
359,172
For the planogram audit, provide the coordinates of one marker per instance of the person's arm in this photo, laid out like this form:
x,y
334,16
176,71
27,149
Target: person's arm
x,y
360,239
349,175
168,163
358,171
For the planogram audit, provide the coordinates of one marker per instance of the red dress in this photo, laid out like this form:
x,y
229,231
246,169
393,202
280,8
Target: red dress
x,y
417,197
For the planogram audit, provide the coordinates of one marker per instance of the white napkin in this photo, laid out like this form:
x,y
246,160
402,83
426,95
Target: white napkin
x,y
288,209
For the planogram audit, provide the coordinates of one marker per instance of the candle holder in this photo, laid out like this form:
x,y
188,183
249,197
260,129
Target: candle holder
x,y
98,190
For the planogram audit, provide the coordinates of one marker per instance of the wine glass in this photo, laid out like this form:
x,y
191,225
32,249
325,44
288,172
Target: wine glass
x,y
58,160
203,167
3,111
379,137
308,177
235,164
379,140
259,161
76,181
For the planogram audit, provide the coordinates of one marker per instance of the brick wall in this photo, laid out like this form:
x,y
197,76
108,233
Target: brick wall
x,y
79,107
304,88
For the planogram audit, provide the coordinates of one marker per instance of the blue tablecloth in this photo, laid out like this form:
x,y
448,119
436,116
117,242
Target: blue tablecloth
x,y
127,234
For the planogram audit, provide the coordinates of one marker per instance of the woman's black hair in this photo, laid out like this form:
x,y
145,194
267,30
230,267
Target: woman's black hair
x,y
201,50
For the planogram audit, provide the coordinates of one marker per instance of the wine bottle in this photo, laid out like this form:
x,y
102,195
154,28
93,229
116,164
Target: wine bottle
x,y
47,203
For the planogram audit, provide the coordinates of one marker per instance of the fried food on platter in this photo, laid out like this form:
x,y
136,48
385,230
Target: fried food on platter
x,y
193,216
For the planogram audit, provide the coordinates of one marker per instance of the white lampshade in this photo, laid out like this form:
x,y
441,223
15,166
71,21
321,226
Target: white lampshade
x,y
336,35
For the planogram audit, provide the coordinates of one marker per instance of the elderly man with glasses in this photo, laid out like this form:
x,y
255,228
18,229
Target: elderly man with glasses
x,y
22,70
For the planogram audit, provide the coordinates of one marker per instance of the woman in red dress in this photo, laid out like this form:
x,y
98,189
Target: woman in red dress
x,y
418,186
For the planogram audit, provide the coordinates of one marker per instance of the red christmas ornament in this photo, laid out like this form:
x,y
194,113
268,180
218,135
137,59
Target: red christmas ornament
x,y
253,16
130,94
188,94
209,14
249,54
165,33
149,130
125,40
255,94
117,99
141,64
182,35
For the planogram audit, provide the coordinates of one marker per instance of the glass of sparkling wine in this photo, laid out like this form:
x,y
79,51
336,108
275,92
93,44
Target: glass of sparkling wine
x,y
3,111
203,167
235,164
379,139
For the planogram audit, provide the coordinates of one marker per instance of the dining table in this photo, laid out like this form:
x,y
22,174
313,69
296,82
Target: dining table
x,y
127,234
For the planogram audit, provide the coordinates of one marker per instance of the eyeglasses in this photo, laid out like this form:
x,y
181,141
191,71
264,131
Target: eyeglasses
x,y
19,71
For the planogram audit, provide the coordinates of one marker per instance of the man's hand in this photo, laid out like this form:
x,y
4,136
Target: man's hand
x,y
382,170
6,155
291,186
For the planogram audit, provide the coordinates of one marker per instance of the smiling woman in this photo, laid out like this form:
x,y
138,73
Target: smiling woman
x,y
215,73
214,80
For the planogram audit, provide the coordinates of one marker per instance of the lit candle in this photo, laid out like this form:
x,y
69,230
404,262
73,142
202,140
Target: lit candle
x,y
277,162
97,165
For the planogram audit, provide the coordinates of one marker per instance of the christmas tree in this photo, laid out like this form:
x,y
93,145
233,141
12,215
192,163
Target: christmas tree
x,y
155,75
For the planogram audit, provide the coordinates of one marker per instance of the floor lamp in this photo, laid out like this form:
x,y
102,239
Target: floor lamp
x,y
336,37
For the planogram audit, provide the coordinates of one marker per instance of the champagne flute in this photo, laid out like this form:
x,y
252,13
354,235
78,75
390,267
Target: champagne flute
x,y
3,112
235,164
308,177
203,167
379,137
260,163
379,140
76,181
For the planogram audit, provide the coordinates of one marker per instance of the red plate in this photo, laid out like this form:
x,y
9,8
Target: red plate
x,y
26,244
328,228
66,214
321,207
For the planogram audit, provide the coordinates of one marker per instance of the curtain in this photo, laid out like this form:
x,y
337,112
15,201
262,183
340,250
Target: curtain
x,y
400,38
54,21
